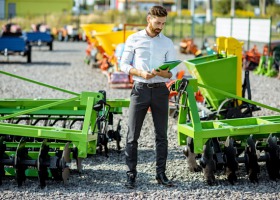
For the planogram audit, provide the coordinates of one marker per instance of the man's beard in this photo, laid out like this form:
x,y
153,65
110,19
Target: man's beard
x,y
155,31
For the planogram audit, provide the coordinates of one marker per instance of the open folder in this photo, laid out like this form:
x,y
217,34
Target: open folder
x,y
169,64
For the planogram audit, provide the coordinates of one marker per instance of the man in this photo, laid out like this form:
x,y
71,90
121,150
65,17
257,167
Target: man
x,y
145,51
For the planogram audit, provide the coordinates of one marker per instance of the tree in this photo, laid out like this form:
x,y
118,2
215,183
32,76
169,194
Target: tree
x,y
209,11
185,4
232,8
262,7
224,6
257,2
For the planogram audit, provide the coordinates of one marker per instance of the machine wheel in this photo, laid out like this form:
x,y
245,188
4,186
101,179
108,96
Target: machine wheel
x,y
28,54
50,44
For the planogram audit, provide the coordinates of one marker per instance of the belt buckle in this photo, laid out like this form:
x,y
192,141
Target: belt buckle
x,y
150,85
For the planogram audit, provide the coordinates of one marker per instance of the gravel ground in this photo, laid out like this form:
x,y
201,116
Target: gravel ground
x,y
103,178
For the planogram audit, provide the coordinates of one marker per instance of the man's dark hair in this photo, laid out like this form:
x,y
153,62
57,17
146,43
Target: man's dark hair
x,y
157,11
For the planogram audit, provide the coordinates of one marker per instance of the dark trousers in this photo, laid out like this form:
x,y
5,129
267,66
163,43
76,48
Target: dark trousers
x,y
141,98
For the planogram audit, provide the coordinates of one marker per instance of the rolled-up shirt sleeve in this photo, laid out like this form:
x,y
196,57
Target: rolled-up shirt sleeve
x,y
127,56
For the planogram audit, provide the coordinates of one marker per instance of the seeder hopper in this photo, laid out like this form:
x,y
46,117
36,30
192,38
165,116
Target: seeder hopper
x,y
94,51
113,45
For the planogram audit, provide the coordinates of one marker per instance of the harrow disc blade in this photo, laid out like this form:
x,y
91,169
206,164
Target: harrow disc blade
x,y
20,157
272,158
79,164
231,164
78,160
191,156
251,159
65,159
43,170
65,175
208,163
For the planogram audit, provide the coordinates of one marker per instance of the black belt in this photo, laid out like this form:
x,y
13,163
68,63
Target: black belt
x,y
152,85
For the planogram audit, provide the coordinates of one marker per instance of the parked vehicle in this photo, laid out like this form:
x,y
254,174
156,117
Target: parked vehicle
x,y
12,42
40,36
68,33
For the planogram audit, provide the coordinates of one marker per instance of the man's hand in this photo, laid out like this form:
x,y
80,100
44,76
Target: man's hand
x,y
163,73
147,75
141,73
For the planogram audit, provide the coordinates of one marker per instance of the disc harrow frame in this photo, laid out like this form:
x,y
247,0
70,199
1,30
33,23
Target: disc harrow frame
x,y
40,137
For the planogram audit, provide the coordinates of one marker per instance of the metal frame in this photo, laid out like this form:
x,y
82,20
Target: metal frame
x,y
201,131
79,107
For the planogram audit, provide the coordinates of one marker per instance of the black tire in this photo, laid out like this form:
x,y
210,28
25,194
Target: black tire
x,y
50,44
28,57
28,54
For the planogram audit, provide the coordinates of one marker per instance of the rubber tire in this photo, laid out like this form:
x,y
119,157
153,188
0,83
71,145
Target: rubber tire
x,y
50,44
28,54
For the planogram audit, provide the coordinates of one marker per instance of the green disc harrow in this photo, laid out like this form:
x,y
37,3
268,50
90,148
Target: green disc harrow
x,y
40,137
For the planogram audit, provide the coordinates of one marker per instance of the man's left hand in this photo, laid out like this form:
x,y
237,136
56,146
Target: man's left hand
x,y
163,73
